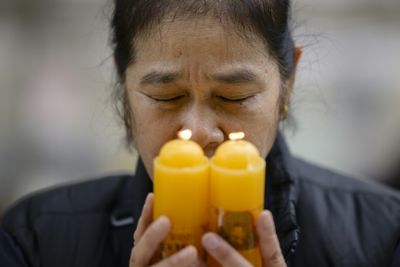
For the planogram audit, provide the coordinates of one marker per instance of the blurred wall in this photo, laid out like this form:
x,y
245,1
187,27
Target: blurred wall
x,y
347,96
56,76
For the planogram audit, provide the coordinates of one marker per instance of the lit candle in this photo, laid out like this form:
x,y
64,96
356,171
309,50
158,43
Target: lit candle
x,y
237,178
181,174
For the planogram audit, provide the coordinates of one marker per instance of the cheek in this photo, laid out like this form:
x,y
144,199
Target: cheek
x,y
149,138
151,129
261,129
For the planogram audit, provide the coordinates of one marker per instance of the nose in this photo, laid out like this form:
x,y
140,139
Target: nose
x,y
203,123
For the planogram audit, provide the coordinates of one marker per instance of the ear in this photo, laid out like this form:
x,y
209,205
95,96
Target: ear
x,y
285,98
290,83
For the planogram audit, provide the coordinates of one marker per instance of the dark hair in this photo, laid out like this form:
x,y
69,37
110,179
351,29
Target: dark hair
x,y
268,19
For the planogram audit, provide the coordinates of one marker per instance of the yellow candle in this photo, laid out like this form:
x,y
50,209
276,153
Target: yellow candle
x,y
237,178
181,174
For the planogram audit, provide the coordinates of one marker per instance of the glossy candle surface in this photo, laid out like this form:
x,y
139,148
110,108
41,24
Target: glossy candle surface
x,y
237,178
181,174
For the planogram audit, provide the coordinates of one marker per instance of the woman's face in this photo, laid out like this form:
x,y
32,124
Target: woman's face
x,y
196,74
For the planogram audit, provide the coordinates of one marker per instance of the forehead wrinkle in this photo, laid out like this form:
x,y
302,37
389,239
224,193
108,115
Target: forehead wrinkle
x,y
177,50
185,29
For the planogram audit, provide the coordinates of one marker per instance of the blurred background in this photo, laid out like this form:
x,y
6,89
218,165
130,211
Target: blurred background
x,y
57,123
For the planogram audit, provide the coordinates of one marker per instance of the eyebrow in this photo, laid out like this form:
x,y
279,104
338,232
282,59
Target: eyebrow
x,y
164,77
238,76
159,77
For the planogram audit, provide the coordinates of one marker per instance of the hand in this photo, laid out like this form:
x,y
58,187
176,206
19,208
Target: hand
x,y
226,255
149,235
147,239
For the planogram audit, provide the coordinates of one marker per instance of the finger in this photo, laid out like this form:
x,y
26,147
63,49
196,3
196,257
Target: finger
x,y
223,252
269,244
150,241
185,257
145,218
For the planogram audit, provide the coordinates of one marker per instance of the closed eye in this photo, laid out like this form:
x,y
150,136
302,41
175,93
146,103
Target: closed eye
x,y
166,99
233,99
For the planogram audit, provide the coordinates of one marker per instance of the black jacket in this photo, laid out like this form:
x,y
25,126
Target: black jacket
x,y
322,219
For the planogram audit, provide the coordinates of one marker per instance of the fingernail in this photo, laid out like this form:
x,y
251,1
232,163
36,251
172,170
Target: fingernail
x,y
266,220
160,222
187,251
210,241
146,202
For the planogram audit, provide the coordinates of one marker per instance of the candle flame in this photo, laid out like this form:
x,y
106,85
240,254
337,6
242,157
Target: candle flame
x,y
236,136
185,134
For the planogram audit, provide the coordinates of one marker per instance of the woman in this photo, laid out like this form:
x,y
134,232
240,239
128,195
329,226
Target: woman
x,y
215,67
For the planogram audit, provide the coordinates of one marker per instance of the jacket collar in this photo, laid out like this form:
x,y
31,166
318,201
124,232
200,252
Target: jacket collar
x,y
282,189
281,196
